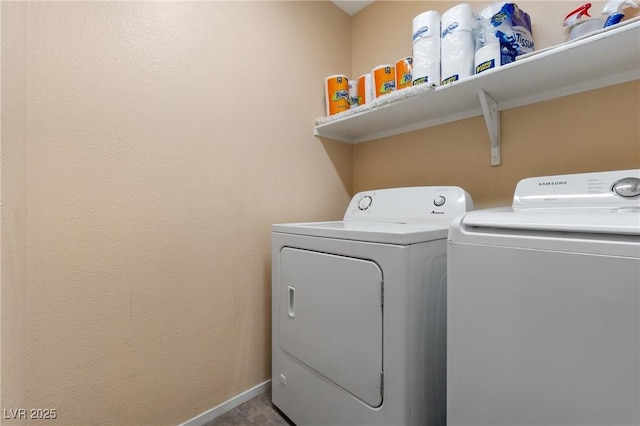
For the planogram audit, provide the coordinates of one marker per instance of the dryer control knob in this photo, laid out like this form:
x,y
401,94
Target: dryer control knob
x,y
439,201
628,187
365,202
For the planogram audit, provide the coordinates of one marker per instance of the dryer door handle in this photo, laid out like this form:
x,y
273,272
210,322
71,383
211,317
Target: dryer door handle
x,y
291,301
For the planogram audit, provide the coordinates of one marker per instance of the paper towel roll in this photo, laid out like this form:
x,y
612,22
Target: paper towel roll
x,y
427,24
383,79
426,61
404,68
365,93
336,94
457,55
487,57
353,93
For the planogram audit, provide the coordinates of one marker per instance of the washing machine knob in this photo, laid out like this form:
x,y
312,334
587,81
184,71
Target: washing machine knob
x,y
365,202
628,187
439,201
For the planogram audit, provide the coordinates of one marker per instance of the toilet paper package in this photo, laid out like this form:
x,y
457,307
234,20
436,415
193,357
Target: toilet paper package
x,y
426,24
508,26
336,94
365,94
426,61
383,79
426,48
457,43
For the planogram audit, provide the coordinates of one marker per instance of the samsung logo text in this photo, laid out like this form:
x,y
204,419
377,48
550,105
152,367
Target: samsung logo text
x,y
550,183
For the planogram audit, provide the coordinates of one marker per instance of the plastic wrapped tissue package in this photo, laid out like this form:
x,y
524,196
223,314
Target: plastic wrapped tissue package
x,y
503,32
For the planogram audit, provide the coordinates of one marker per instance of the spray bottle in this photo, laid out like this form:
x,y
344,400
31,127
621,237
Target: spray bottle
x,y
574,17
614,11
579,27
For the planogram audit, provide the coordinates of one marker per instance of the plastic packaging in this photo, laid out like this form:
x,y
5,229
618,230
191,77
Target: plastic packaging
x,y
503,32
457,50
614,11
353,93
426,48
487,55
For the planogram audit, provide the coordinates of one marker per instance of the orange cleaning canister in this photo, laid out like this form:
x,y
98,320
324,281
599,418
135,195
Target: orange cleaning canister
x,y
336,94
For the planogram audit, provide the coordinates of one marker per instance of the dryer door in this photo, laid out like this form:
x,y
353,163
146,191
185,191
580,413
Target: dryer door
x,y
331,318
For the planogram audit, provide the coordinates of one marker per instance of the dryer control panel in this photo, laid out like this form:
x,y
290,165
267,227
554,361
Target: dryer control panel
x,y
414,205
603,189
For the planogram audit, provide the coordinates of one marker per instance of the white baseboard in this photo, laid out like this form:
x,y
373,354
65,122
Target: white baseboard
x,y
228,405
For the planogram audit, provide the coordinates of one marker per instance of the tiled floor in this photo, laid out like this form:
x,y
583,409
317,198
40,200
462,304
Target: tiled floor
x,y
256,412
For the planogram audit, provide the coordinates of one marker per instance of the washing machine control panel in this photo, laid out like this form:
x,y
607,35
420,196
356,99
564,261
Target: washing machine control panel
x,y
602,189
416,205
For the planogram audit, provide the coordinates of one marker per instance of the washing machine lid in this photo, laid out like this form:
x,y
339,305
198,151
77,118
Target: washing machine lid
x,y
385,233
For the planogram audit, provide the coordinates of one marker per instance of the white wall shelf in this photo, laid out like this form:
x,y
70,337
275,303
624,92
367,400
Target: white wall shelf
x,y
603,59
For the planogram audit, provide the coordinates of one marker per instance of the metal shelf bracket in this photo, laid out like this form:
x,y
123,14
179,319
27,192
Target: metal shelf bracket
x,y
492,121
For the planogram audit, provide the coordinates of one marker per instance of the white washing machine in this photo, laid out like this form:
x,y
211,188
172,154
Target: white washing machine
x,y
359,311
544,305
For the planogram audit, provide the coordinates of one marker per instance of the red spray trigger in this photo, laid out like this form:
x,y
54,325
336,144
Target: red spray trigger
x,y
574,16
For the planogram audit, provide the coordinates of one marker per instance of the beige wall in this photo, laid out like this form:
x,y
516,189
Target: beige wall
x,y
598,130
156,143
13,149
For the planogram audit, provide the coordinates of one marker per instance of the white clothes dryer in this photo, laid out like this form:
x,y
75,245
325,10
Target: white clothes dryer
x,y
359,311
544,305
